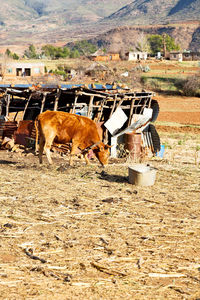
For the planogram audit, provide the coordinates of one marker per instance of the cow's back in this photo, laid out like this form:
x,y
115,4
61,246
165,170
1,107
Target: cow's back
x,y
67,126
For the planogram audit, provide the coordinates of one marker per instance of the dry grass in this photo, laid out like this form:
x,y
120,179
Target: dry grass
x,y
99,236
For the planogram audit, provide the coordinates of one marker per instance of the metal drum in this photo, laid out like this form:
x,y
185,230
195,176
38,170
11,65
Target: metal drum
x,y
133,144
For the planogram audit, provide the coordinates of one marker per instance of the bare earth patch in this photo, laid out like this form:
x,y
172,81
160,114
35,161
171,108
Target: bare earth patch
x,y
86,233
183,110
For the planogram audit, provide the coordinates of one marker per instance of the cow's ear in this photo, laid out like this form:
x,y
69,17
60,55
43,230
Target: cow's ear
x,y
101,148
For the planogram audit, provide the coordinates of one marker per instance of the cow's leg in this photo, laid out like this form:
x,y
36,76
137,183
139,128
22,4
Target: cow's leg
x,y
86,158
73,153
41,148
47,147
36,136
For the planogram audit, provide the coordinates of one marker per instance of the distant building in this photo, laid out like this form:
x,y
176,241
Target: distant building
x,y
99,55
184,56
176,55
136,55
191,56
23,69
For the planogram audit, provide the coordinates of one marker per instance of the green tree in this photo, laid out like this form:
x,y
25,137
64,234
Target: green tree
x,y
8,53
15,56
31,52
11,55
170,43
74,54
55,52
156,42
66,51
84,47
48,51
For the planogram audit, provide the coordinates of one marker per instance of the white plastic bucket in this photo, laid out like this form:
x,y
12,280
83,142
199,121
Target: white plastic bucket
x,y
141,174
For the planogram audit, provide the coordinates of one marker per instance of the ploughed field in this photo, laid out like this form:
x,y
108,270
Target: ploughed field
x,y
84,232
176,109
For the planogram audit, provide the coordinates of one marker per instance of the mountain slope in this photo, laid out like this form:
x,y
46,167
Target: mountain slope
x,y
122,39
185,6
156,11
50,21
15,11
34,9
23,21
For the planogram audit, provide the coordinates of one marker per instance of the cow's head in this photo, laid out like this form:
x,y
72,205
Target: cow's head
x,y
102,152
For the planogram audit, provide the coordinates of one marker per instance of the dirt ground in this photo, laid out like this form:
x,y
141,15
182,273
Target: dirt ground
x,y
177,109
85,232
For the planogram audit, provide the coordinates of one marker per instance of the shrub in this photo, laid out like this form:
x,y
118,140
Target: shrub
x,y
143,80
191,86
84,48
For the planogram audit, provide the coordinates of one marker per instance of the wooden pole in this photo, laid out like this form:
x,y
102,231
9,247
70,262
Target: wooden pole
x,y
27,103
90,106
74,105
120,102
57,99
90,94
131,112
101,110
113,107
7,105
15,116
1,102
43,102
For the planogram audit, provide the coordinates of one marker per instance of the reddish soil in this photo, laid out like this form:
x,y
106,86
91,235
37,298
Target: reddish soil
x,y
179,129
171,66
181,110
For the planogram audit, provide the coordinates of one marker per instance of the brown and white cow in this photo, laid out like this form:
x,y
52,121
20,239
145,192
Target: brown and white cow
x,y
61,127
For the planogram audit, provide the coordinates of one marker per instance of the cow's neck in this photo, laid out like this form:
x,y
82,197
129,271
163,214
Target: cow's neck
x,y
90,147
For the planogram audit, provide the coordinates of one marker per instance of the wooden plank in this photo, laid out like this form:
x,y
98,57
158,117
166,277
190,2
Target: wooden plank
x,y
113,107
43,102
90,106
7,105
15,116
90,94
120,102
131,112
101,111
27,103
74,105
57,99
1,105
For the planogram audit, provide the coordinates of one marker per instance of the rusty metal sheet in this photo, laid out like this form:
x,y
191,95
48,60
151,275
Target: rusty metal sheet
x,y
23,131
7,129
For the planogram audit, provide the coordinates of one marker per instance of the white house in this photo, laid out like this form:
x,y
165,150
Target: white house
x,y
176,55
24,69
136,55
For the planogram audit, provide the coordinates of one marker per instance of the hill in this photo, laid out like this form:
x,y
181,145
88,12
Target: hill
x,y
64,11
156,12
187,35
50,21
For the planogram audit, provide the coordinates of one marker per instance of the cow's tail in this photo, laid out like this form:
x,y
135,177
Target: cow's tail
x,y
36,134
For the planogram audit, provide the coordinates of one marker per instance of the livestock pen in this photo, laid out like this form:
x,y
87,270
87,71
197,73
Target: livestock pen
x,y
97,102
